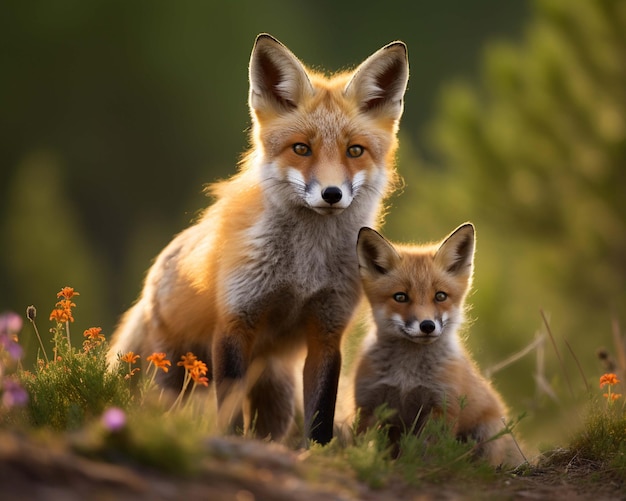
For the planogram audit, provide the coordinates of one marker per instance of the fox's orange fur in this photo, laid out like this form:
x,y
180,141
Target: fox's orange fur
x,y
417,364
269,269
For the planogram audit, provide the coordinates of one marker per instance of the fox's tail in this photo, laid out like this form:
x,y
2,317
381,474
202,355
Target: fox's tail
x,y
128,334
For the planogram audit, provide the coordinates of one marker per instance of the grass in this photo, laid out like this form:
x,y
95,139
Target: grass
x,y
106,413
115,416
602,438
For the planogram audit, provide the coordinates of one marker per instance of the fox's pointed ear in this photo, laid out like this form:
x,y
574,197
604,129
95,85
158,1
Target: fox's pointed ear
x,y
456,253
380,81
278,79
376,255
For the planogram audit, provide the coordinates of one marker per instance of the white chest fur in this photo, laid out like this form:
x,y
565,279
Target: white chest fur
x,y
295,256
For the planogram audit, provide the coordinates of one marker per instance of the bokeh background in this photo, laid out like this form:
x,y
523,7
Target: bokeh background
x,y
114,114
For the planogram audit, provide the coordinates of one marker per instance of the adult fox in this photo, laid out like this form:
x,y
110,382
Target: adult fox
x,y
269,269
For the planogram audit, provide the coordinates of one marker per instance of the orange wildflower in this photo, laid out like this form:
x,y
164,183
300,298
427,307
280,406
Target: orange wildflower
x,y
203,380
63,311
60,315
159,361
199,367
94,334
131,373
68,293
129,357
94,338
65,304
198,373
612,396
187,361
608,379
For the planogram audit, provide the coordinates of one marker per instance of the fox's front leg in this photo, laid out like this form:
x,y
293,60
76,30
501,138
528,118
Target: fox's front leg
x,y
320,381
231,355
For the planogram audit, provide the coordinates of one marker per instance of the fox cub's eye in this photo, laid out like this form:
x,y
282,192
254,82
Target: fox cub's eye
x,y
440,296
356,150
400,297
301,149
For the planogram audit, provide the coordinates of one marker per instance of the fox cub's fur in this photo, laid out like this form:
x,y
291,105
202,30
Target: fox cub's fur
x,y
417,364
269,268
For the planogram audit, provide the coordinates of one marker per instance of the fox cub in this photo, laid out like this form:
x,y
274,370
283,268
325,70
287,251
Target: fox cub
x,y
417,364
268,271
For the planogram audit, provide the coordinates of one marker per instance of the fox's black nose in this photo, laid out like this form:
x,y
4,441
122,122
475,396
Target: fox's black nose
x,y
427,326
331,195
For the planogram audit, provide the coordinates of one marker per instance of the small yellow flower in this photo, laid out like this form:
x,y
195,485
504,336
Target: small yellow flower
x,y
159,361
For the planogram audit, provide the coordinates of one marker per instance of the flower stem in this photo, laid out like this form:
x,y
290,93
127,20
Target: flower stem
x,y
32,321
179,399
189,400
67,332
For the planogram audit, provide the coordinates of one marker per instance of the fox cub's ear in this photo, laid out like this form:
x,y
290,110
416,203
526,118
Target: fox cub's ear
x,y
456,253
376,255
278,79
380,81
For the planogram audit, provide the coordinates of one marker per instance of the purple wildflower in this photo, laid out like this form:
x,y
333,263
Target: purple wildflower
x,y
12,347
114,419
13,394
10,324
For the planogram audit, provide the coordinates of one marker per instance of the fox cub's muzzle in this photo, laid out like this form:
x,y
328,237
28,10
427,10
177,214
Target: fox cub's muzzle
x,y
422,332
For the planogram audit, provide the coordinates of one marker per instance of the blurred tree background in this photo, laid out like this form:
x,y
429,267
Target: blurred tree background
x,y
535,155
114,115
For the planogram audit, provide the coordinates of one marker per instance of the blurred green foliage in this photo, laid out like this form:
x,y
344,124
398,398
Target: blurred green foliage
x,y
535,155
114,114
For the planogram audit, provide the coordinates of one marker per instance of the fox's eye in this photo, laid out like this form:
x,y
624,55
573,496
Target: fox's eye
x,y
301,149
440,297
400,297
356,150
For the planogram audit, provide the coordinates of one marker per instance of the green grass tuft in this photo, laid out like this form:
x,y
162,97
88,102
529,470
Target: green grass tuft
x,y
76,387
603,436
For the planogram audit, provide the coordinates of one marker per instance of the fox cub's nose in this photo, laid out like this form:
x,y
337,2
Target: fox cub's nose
x,y
427,326
331,195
